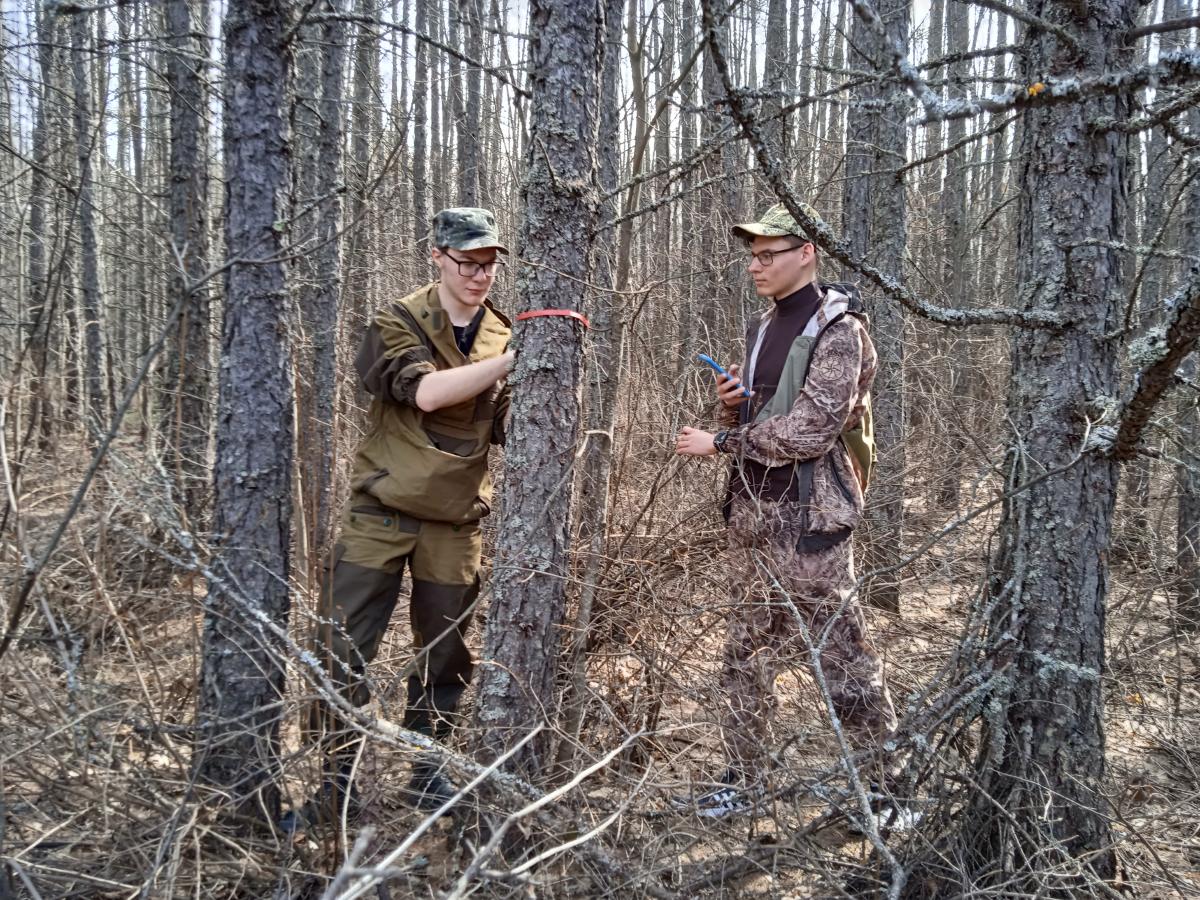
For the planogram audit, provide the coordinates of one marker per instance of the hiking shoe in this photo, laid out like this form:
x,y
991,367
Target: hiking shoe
x,y
428,789
325,807
892,818
736,795
889,814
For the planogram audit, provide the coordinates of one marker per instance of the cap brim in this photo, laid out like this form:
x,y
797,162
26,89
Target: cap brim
x,y
480,244
754,229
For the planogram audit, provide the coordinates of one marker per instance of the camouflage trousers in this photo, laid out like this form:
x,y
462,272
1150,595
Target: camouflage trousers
x,y
359,592
783,587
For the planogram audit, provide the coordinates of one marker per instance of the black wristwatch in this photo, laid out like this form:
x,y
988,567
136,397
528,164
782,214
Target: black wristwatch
x,y
719,440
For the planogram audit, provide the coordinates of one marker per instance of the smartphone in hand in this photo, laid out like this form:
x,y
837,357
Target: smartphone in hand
x,y
719,369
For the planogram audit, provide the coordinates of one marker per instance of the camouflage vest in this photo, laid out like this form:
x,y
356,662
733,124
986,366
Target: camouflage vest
x,y
839,301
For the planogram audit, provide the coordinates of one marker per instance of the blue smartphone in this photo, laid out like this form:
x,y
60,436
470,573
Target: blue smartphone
x,y
716,367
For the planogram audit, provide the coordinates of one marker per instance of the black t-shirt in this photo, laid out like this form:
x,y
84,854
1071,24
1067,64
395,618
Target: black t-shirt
x,y
464,335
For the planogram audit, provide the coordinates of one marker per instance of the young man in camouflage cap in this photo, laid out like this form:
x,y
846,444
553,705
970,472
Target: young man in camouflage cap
x,y
434,363
796,493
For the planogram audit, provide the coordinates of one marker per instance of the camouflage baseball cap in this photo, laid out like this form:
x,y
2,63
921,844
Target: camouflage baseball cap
x,y
775,222
466,228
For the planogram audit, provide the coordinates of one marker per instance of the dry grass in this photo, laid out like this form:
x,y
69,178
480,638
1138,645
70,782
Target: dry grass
x,y
95,743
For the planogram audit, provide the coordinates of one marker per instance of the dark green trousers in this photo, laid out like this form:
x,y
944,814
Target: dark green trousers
x,y
359,591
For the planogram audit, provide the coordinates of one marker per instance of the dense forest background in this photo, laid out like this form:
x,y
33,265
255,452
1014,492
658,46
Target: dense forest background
x,y
201,205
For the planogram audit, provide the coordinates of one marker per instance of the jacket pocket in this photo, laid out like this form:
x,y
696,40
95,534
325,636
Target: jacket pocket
x,y
364,484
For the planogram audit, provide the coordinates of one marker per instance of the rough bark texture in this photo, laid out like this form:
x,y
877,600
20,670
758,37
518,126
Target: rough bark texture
x,y
520,658
1042,757
874,214
186,406
603,373
242,675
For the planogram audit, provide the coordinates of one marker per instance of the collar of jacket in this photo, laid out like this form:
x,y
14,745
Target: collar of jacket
x,y
494,329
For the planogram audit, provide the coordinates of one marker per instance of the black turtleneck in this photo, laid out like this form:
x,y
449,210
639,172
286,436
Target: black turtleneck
x,y
788,318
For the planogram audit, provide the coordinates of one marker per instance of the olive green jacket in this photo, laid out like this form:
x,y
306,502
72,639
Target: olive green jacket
x,y
431,465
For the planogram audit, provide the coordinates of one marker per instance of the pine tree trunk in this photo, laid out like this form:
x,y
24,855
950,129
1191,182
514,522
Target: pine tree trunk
x,y
601,390
521,643
242,674
92,300
187,417
1042,759
874,216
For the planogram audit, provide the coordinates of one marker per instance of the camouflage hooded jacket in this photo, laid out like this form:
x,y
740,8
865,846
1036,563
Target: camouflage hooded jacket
x,y
833,398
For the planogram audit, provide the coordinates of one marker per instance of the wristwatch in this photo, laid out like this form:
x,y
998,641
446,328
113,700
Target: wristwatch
x,y
719,440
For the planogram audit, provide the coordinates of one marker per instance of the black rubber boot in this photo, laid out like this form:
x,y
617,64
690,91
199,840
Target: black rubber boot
x,y
337,792
428,789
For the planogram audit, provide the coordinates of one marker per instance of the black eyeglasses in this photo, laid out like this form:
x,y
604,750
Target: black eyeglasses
x,y
468,268
766,257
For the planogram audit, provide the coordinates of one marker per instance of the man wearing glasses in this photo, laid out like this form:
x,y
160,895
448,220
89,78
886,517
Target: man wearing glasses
x,y
434,363
799,465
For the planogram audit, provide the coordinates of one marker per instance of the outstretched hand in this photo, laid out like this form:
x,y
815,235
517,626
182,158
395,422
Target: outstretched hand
x,y
694,442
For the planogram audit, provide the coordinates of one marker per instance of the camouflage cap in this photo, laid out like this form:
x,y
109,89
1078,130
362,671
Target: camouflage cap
x,y
466,228
775,222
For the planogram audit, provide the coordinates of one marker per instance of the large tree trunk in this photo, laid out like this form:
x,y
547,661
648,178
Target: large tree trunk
x,y
186,405
242,672
601,390
874,214
1040,801
517,678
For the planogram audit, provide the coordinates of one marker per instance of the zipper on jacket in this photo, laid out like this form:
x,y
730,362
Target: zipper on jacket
x,y
846,492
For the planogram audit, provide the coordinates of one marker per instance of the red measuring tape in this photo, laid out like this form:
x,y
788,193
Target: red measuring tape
x,y
565,313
